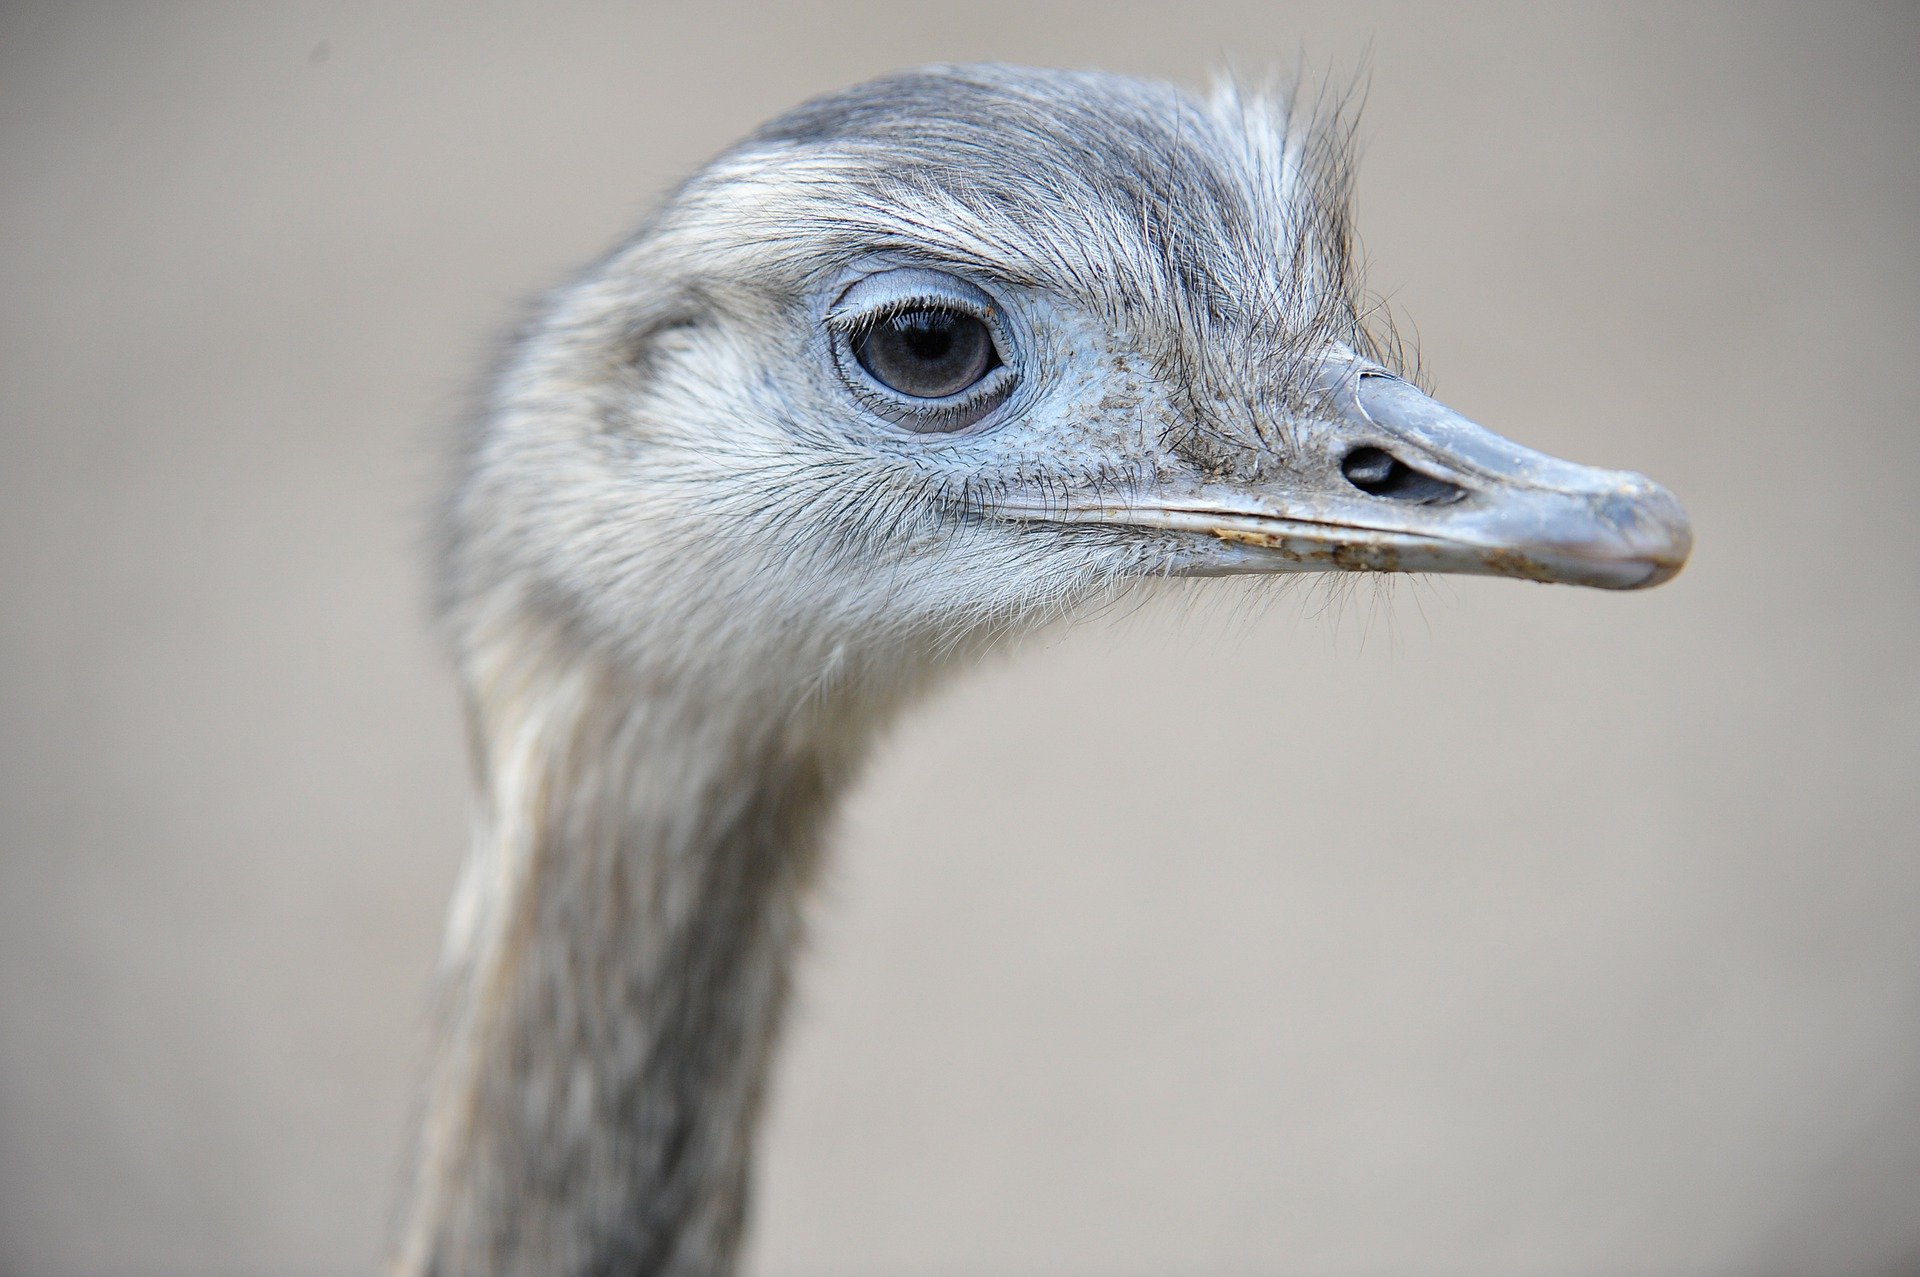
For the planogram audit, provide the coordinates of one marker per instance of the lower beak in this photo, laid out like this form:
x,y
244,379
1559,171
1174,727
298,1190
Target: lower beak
x,y
1391,481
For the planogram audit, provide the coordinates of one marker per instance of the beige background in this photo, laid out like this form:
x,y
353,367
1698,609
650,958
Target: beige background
x,y
1466,928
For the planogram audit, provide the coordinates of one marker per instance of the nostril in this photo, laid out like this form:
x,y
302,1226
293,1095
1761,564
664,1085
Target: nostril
x,y
1379,473
1368,469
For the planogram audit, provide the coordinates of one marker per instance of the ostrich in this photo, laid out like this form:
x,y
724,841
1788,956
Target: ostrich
x,y
913,369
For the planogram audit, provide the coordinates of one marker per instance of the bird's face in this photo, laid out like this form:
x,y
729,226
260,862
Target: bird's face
x,y
1232,458
946,351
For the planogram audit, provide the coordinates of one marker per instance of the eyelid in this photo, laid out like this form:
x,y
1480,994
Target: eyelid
x,y
874,298
853,321
952,415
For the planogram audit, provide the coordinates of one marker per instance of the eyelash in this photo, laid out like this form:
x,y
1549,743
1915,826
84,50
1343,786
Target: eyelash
x,y
854,327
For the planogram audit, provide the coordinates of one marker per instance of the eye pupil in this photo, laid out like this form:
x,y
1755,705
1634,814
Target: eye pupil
x,y
927,352
927,333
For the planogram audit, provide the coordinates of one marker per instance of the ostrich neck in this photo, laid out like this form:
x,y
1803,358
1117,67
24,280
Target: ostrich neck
x,y
616,966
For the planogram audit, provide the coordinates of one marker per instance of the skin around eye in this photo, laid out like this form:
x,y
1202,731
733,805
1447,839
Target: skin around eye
x,y
927,352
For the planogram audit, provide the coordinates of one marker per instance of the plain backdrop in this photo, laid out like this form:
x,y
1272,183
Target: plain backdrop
x,y
1453,928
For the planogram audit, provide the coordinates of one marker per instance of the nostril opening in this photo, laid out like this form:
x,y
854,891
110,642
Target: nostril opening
x,y
1379,473
1369,468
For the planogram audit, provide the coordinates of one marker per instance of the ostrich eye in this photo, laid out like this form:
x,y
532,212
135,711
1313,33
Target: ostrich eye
x,y
925,349
927,352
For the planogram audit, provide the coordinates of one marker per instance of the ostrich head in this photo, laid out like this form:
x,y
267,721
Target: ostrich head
x,y
913,367
937,356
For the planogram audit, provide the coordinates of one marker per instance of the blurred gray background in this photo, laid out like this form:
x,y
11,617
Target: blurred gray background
x,y
1506,930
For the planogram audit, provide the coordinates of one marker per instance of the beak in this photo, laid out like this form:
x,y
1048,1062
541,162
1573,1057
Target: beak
x,y
1388,480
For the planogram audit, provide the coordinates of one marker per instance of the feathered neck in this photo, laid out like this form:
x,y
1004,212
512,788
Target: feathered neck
x,y
616,962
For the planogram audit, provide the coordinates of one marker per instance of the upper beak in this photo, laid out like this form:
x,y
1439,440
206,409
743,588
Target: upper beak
x,y
1391,481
